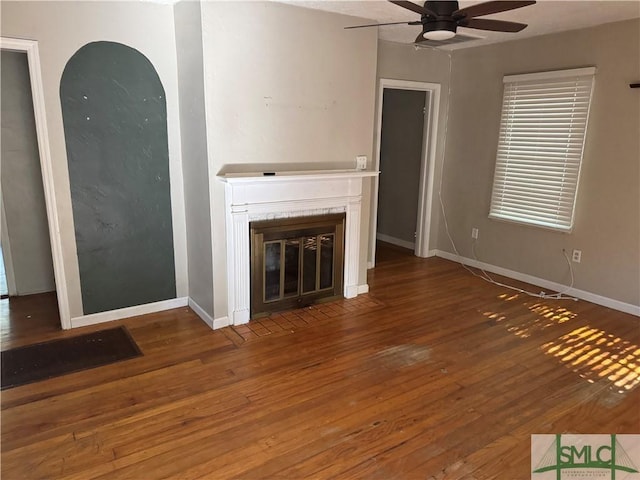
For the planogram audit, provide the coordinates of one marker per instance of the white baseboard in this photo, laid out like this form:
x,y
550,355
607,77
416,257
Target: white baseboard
x,y
541,282
200,312
120,313
221,322
363,288
214,324
396,241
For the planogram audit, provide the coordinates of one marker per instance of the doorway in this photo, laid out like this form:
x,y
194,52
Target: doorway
x,y
32,252
27,264
405,156
401,144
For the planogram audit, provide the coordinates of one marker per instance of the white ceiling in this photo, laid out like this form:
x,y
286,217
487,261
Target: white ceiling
x,y
546,16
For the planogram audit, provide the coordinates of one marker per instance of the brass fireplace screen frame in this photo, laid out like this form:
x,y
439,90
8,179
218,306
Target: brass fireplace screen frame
x,y
288,231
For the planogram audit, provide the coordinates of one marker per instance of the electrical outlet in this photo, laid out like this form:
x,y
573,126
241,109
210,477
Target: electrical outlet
x,y
361,162
474,233
576,256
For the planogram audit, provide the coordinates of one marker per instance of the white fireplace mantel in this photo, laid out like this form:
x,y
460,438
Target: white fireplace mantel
x,y
259,196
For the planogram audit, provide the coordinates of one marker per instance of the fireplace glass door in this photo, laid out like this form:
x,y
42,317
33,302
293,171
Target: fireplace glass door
x,y
296,261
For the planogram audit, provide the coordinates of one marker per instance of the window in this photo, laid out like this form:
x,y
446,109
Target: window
x,y
542,134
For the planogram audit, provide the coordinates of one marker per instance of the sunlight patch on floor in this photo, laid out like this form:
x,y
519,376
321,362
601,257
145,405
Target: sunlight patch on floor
x,y
546,316
595,354
592,353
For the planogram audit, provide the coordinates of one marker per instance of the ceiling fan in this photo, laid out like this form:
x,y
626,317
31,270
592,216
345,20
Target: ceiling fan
x,y
440,19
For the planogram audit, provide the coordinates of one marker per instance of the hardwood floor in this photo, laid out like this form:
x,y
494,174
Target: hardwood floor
x,y
24,320
434,374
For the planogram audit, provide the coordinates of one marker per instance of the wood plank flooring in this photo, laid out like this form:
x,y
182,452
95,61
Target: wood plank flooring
x,y
434,374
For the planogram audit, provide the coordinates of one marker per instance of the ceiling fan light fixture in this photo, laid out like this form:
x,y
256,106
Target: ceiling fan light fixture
x,y
439,35
439,29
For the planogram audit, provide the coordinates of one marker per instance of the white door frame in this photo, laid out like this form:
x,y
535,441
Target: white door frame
x,y
30,47
427,168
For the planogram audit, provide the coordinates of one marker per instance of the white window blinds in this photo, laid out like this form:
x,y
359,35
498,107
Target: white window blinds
x,y
542,134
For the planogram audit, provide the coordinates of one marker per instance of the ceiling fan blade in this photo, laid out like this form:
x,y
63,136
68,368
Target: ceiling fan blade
x,y
419,38
488,8
414,8
381,24
493,25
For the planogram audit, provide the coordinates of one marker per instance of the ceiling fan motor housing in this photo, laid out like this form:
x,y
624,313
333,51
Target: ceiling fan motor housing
x,y
444,21
442,8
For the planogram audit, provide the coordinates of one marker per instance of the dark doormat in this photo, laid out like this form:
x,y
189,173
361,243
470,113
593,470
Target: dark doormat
x,y
41,361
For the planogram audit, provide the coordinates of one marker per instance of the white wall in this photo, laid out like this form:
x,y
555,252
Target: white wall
x,y
61,28
194,153
607,223
284,86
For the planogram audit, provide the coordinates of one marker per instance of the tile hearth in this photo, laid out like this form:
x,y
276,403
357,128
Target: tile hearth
x,y
287,323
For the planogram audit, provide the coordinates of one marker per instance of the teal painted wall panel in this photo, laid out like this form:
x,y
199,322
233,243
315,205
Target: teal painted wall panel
x,y
115,123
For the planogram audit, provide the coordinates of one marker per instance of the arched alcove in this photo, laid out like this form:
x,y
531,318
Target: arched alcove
x,y
115,124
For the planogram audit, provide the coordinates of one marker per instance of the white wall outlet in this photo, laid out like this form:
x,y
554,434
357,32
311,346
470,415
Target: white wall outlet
x,y
576,256
361,162
474,233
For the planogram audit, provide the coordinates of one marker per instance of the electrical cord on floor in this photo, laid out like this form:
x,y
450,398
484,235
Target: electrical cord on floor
x,y
484,275
548,296
487,278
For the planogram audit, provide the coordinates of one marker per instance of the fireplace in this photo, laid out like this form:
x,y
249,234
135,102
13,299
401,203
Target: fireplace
x,y
257,197
295,262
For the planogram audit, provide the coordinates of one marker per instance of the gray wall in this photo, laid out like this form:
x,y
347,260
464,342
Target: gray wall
x,y
607,224
194,153
22,191
400,162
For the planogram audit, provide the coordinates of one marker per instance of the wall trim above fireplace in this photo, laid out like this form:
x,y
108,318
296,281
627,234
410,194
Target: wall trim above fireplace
x,y
256,196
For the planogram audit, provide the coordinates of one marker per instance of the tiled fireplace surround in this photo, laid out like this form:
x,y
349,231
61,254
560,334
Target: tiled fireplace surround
x,y
256,196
